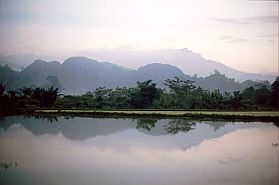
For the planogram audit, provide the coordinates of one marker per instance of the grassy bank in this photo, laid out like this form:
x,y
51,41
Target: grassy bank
x,y
245,115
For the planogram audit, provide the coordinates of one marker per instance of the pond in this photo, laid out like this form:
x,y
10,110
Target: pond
x,y
142,151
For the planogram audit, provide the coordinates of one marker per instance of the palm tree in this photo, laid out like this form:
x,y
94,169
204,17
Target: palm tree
x,y
2,89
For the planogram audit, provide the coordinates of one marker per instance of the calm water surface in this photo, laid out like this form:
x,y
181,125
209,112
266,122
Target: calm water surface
x,y
94,151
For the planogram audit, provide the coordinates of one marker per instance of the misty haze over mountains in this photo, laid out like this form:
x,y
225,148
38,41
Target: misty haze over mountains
x,y
189,62
78,75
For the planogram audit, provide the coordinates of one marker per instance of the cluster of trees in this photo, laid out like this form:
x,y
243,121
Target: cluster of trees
x,y
181,94
142,96
24,99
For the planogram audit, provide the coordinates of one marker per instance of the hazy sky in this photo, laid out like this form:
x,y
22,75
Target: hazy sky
x,y
241,34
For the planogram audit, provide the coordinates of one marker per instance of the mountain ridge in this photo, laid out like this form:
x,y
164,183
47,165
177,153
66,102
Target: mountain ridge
x,y
189,62
78,75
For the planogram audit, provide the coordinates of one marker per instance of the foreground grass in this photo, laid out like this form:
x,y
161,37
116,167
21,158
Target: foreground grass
x,y
251,115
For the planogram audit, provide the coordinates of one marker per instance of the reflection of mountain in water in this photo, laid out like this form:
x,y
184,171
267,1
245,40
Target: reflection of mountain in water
x,y
76,128
187,132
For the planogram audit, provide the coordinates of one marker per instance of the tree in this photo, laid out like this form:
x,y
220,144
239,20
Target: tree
x,y
101,95
13,93
120,98
262,93
144,94
2,89
50,95
179,86
26,92
180,92
146,123
46,98
274,92
179,125
236,100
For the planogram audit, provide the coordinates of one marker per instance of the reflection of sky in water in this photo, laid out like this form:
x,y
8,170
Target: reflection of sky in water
x,y
114,151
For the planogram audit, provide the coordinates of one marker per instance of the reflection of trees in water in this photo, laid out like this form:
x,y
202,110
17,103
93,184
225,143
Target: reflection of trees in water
x,y
179,125
48,118
173,127
216,125
2,118
146,123
81,128
6,165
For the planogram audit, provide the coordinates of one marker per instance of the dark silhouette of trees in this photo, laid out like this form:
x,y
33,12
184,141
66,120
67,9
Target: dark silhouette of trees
x,y
181,94
146,123
274,92
23,99
26,92
2,90
45,97
144,94
180,125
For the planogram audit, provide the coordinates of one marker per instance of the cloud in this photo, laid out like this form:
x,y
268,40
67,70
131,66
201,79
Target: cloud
x,y
227,37
268,36
237,40
231,39
247,20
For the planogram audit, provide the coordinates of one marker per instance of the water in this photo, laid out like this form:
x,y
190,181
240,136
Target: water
x,y
63,150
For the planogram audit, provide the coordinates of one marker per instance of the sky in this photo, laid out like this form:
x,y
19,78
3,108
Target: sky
x,y
240,34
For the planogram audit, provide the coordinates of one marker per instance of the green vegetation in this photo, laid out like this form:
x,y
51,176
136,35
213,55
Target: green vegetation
x,y
26,99
180,95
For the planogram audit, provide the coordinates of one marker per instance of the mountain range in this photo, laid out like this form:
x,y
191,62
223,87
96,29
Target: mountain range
x,y
189,62
78,75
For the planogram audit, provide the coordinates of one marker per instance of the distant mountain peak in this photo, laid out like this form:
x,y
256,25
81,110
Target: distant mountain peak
x,y
79,59
159,71
39,61
157,64
187,50
159,67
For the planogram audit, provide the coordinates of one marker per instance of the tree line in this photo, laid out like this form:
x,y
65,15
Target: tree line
x,y
180,94
26,99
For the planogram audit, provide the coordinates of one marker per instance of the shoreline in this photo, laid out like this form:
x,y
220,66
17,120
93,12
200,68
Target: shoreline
x,y
224,115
